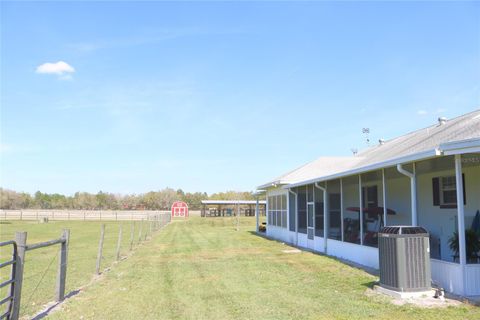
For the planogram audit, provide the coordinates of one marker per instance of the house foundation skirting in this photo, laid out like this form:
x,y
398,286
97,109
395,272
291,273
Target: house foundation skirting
x,y
448,275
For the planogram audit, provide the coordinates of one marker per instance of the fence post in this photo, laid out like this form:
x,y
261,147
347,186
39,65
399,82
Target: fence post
x,y
132,232
146,230
21,240
83,215
116,216
140,233
62,266
21,214
68,215
37,215
119,242
100,249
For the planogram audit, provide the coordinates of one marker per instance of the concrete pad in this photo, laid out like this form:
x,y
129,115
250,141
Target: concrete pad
x,y
404,295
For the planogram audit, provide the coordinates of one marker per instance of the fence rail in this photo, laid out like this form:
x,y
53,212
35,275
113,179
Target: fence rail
x,y
11,303
79,215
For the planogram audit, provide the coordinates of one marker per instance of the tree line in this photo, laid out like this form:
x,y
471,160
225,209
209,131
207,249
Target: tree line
x,y
153,200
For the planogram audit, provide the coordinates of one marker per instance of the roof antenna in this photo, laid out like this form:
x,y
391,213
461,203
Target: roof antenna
x,y
354,151
366,132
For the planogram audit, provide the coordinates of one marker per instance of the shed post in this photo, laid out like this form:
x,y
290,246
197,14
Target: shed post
x,y
256,214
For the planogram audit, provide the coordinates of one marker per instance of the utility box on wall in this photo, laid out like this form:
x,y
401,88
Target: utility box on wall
x,y
404,253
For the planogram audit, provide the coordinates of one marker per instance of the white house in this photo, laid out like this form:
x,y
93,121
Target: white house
x,y
336,205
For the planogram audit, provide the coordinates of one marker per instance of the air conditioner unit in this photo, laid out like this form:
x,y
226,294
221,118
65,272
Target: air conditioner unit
x,y
404,253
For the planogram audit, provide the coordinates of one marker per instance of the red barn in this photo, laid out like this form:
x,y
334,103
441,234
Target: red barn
x,y
179,209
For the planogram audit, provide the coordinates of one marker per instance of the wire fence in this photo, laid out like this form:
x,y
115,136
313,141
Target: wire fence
x,y
87,256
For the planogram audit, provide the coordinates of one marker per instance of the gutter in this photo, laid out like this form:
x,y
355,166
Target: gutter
x,y
413,190
372,167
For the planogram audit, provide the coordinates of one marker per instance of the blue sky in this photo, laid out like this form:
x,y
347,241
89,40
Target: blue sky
x,y
220,95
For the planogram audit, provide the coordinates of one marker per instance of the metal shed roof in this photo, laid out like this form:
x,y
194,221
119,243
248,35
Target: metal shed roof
x,y
233,202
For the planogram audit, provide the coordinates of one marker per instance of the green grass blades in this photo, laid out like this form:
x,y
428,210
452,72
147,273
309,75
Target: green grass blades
x,y
41,265
201,268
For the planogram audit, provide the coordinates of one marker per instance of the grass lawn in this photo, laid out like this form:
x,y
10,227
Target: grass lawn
x,y
204,269
84,237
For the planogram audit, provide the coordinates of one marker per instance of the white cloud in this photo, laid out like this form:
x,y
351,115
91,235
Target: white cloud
x,y
60,68
422,112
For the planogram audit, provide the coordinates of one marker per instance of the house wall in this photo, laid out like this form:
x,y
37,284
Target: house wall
x,y
441,223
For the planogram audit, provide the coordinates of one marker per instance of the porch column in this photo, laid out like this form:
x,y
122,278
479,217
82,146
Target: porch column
x,y
361,207
325,218
384,190
256,213
341,207
296,214
460,210
325,211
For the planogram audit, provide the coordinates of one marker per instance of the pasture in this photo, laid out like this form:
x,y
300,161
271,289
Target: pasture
x,y
41,265
202,268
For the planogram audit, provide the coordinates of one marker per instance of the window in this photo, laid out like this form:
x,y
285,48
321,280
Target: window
x,y
445,191
448,191
277,211
370,197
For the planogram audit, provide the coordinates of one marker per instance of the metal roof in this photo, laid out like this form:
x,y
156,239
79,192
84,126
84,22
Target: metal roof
x,y
233,202
420,144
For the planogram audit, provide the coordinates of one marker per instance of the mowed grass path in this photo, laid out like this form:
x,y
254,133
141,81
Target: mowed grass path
x,y
204,269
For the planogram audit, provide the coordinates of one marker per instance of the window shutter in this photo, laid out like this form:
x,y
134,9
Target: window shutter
x,y
436,191
464,192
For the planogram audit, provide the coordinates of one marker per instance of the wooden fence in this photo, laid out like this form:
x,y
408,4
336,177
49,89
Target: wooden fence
x,y
79,215
11,304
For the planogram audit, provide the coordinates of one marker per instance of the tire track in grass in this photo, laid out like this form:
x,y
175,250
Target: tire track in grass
x,y
211,290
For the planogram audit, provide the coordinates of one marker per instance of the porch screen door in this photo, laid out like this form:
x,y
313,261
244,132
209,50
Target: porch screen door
x,y
310,222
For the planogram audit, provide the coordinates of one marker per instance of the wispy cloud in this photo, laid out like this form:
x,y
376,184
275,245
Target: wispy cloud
x,y
148,37
62,69
422,112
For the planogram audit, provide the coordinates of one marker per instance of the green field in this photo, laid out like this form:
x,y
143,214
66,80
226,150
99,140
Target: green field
x,y
204,269
41,265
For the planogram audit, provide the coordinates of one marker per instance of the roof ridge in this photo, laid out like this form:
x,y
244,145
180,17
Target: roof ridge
x,y
418,130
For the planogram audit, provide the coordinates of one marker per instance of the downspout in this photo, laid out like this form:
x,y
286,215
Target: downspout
x,y
325,221
413,190
296,215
